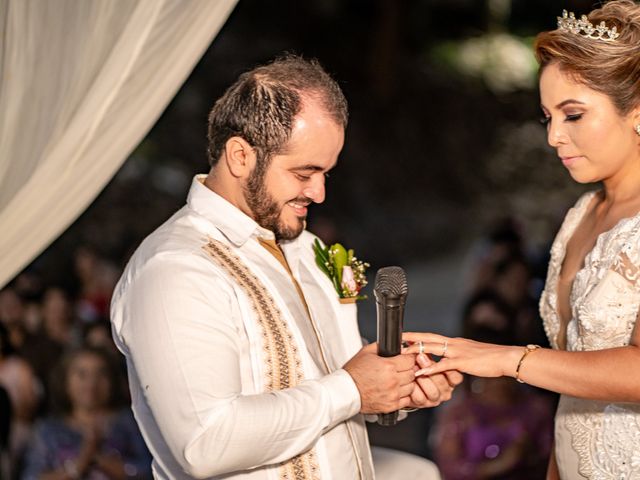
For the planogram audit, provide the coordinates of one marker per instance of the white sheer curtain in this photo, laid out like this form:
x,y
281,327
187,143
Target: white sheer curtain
x,y
81,82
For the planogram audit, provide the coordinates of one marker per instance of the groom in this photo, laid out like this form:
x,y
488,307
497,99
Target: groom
x,y
242,361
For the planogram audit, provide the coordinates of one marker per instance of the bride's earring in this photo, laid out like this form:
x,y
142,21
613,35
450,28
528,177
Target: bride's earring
x,y
638,129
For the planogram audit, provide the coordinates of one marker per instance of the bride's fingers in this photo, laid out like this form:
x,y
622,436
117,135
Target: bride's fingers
x,y
435,348
423,360
425,337
443,365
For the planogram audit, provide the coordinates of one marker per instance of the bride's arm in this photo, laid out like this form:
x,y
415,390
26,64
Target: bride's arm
x,y
608,374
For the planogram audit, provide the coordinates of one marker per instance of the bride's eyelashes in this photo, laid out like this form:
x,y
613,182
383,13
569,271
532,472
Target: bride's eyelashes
x,y
574,117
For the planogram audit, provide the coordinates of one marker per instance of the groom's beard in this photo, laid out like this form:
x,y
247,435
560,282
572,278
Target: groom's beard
x,y
266,211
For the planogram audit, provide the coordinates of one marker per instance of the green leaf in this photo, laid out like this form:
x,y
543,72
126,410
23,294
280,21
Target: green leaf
x,y
320,251
322,257
336,285
340,257
323,266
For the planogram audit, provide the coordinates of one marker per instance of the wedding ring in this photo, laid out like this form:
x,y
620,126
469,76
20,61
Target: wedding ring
x,y
444,348
420,347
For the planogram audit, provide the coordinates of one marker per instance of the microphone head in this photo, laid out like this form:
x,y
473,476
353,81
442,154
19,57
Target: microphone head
x,y
390,282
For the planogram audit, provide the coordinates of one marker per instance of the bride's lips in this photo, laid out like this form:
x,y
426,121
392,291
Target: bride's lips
x,y
568,161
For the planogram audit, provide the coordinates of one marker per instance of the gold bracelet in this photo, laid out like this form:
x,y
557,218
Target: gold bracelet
x,y
527,350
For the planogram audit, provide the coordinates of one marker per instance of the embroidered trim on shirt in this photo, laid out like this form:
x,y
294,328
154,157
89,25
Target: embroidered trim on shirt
x,y
282,361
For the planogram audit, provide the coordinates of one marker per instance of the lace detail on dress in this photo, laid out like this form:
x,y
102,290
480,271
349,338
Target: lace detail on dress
x,y
624,266
606,434
549,297
604,299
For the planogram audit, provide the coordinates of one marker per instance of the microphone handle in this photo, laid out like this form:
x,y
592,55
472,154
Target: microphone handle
x,y
389,343
388,419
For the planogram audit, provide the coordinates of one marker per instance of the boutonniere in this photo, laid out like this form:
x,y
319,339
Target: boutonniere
x,y
345,271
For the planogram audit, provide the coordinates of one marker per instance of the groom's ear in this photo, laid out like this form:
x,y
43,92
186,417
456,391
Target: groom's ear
x,y
239,157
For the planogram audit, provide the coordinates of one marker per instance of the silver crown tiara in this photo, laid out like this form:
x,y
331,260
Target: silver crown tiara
x,y
584,27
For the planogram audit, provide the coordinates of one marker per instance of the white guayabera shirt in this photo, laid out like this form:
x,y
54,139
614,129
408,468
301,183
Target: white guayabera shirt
x,y
195,353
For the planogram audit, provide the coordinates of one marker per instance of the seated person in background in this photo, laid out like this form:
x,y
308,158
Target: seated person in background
x,y
91,437
22,388
494,428
56,334
6,415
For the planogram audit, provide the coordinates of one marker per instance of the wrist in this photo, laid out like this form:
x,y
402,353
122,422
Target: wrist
x,y
525,353
514,354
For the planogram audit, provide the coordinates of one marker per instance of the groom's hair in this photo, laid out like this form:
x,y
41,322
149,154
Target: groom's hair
x,y
262,104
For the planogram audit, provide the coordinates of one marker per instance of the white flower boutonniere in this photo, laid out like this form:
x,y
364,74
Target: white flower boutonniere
x,y
345,271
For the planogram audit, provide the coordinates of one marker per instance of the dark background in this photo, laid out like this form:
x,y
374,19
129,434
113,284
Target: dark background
x,y
433,158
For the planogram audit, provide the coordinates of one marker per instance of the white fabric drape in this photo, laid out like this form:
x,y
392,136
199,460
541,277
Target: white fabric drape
x,y
81,82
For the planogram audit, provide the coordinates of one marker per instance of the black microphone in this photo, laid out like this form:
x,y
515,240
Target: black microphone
x,y
390,291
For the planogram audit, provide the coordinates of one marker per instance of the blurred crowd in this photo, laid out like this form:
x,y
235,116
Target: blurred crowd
x,y
496,428
64,400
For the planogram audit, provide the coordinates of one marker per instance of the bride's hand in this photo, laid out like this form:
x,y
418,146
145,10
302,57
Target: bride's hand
x,y
467,356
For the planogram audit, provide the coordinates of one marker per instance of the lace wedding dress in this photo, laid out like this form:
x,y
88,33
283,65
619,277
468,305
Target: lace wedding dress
x,y
597,440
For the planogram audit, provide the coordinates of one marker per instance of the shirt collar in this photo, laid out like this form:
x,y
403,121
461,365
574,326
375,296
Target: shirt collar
x,y
229,219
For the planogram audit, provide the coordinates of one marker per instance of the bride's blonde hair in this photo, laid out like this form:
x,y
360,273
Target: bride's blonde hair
x,y
609,67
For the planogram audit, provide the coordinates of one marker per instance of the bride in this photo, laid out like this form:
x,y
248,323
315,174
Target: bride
x,y
590,93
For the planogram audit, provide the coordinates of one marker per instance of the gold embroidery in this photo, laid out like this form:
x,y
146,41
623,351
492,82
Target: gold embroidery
x,y
283,364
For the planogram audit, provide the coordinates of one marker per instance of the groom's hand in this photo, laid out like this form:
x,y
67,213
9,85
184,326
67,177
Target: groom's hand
x,y
431,391
385,383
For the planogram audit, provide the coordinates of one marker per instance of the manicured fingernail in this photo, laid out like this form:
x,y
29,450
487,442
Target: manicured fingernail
x,y
424,371
423,360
